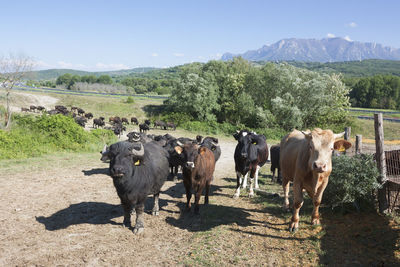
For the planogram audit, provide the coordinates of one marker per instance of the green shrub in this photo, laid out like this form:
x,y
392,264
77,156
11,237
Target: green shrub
x,y
129,100
177,118
33,136
353,181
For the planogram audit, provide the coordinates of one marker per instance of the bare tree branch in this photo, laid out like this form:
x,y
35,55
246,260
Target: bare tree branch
x,y
12,70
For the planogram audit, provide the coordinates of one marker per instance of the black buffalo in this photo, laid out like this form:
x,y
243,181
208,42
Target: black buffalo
x,y
275,153
134,120
143,127
81,121
251,153
89,115
137,170
212,144
98,122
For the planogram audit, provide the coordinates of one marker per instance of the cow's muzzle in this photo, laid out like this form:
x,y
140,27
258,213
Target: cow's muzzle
x,y
244,155
190,164
319,167
117,172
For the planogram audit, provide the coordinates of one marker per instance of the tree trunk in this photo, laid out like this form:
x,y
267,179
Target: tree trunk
x,y
8,112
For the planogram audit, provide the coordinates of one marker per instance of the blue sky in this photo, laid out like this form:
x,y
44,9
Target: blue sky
x,y
109,35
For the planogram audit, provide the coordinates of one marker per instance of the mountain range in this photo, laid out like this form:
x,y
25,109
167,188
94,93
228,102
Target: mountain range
x,y
313,50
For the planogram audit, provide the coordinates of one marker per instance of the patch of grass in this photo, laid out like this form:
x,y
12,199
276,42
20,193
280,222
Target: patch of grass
x,y
367,130
33,136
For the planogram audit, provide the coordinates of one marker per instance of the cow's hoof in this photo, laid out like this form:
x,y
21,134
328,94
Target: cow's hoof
x,y
138,230
293,227
235,196
155,213
256,187
251,195
315,221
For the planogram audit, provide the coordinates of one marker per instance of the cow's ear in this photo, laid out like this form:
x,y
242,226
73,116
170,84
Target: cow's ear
x,y
178,149
341,145
202,150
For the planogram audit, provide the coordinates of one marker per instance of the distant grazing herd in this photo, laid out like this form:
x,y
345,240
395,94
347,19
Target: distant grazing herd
x,y
117,123
141,165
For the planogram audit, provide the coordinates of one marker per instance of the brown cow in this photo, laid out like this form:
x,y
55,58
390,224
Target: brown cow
x,y
306,160
198,170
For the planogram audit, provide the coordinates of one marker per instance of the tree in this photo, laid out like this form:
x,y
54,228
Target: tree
x,y
104,79
195,96
12,70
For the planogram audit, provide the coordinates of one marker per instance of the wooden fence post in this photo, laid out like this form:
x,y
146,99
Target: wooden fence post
x,y
358,144
381,162
347,133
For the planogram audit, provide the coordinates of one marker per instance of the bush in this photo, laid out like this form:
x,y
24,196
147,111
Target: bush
x,y
177,118
353,181
129,100
33,136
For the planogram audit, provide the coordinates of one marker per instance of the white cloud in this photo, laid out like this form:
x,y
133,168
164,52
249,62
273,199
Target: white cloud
x,y
330,35
347,38
103,66
179,55
65,65
154,55
352,24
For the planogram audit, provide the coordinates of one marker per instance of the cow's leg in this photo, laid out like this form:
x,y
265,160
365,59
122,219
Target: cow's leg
x,y
317,202
188,188
238,184
156,207
139,226
256,178
244,182
127,213
197,200
297,204
273,174
251,192
207,192
285,185
176,173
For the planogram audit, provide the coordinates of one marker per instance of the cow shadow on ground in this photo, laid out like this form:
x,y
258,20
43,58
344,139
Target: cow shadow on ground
x,y
84,212
211,215
96,171
359,239
90,213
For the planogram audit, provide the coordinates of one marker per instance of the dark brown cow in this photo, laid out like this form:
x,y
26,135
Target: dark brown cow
x,y
198,170
25,109
134,120
306,160
124,120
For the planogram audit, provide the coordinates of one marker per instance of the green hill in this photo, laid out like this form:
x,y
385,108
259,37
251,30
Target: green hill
x,y
362,68
52,74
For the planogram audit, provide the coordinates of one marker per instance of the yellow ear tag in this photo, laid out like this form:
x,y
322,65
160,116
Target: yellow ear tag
x,y
342,149
254,143
137,163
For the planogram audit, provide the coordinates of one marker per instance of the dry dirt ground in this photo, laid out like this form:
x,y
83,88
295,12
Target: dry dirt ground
x,y
25,100
64,211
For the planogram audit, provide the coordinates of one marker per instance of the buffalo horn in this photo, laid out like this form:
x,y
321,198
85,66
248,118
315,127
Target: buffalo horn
x,y
138,153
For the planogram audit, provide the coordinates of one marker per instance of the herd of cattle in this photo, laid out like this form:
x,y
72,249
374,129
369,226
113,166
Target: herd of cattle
x,y
140,166
117,124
